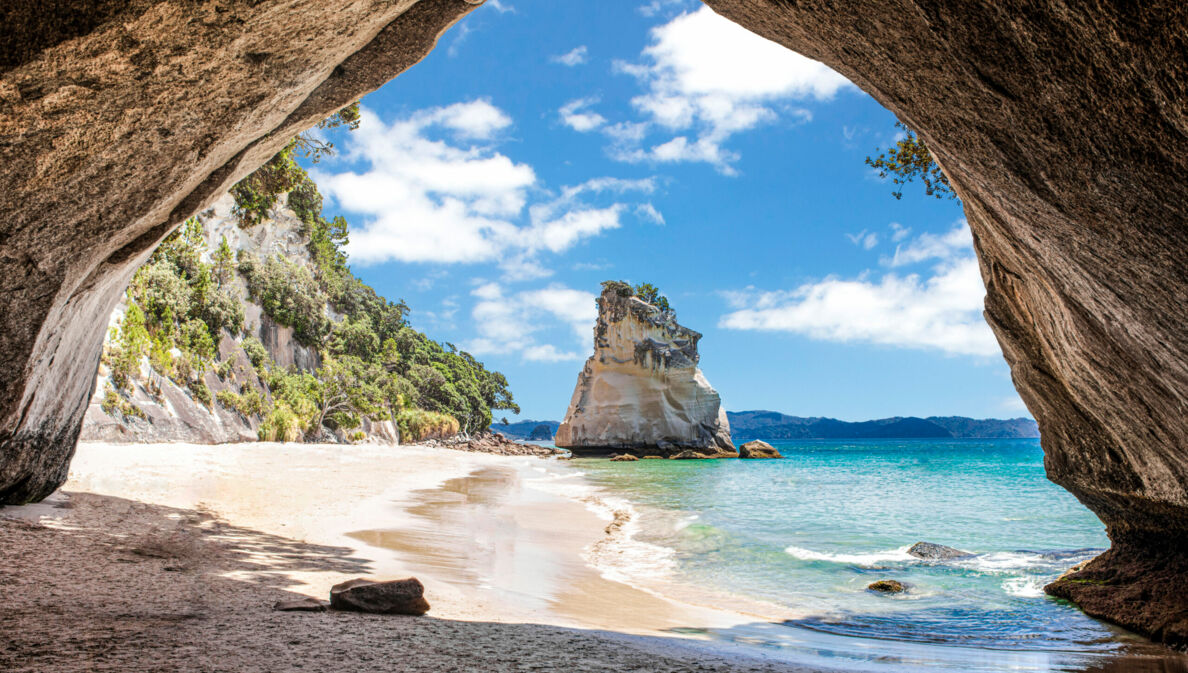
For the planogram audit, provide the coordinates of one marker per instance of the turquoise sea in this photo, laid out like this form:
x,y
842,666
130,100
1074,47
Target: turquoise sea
x,y
811,531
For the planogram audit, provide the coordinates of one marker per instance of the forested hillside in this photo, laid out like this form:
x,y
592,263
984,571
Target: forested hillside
x,y
187,322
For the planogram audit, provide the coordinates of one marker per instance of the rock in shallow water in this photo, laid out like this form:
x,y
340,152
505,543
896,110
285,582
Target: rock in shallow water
x,y
887,586
623,457
936,552
758,449
397,597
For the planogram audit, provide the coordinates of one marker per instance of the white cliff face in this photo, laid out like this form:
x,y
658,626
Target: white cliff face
x,y
641,391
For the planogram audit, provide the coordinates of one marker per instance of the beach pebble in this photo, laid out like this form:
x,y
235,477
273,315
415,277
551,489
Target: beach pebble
x,y
397,597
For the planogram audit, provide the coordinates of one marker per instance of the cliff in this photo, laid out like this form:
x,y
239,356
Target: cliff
x,y
642,391
159,405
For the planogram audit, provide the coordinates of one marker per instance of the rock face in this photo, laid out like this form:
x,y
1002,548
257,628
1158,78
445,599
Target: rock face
x,y
758,448
398,597
641,391
1061,126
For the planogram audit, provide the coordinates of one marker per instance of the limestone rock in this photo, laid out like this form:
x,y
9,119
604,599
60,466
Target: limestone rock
x,y
623,457
887,586
936,552
642,391
397,597
758,448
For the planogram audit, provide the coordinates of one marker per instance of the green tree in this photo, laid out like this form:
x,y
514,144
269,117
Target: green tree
x,y
909,159
651,294
224,263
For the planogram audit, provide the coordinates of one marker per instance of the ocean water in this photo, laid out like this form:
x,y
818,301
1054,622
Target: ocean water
x,y
810,532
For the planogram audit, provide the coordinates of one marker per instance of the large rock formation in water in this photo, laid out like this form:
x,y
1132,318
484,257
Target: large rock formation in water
x,y
1063,127
641,390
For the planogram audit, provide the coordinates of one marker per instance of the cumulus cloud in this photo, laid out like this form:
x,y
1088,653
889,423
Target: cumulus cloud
x,y
435,189
573,57
575,116
940,309
511,322
706,79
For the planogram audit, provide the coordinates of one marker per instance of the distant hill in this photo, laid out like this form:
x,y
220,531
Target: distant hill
x,y
527,430
748,425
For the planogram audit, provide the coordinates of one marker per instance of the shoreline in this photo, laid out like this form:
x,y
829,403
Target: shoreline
x,y
492,537
507,546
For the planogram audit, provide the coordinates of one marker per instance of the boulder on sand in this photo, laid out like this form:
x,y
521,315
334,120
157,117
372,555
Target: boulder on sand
x,y
936,552
758,449
397,597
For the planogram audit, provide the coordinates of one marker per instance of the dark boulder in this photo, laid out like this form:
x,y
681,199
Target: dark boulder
x,y
397,597
758,449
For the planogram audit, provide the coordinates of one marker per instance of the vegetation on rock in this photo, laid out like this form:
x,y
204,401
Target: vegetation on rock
x,y
909,159
645,291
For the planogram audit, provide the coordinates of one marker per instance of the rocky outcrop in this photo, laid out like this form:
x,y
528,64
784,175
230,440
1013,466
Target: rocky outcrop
x,y
1061,126
758,449
492,442
117,122
642,391
397,597
887,587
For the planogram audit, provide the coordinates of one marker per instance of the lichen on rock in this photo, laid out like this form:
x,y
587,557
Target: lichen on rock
x,y
641,391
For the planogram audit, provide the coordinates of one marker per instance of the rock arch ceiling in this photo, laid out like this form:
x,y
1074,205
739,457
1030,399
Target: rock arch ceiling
x,y
1063,126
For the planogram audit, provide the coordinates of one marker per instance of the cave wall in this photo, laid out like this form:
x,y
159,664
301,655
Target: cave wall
x,y
1062,126
118,120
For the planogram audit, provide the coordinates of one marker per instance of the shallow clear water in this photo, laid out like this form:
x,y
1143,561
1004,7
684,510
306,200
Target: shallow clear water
x,y
810,532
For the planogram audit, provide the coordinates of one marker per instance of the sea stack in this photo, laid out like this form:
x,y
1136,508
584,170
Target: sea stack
x,y
641,391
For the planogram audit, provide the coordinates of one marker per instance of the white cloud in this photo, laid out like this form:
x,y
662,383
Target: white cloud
x,y
511,322
708,78
648,212
573,57
931,246
574,116
899,232
499,6
941,310
865,239
656,6
459,200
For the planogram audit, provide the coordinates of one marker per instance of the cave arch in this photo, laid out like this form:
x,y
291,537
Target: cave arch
x,y
1062,126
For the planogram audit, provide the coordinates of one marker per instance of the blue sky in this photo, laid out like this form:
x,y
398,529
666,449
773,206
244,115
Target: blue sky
x,y
544,147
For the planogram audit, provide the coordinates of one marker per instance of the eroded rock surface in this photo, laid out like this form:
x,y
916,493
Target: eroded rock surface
x,y
1064,129
642,391
757,449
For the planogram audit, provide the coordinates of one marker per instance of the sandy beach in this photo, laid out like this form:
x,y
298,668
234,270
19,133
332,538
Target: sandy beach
x,y
186,547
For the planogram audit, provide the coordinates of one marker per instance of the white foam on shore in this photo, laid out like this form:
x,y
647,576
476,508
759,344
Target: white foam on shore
x,y
868,559
1024,587
617,556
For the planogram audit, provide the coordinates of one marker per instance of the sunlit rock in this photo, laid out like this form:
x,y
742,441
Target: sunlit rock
x,y
642,391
